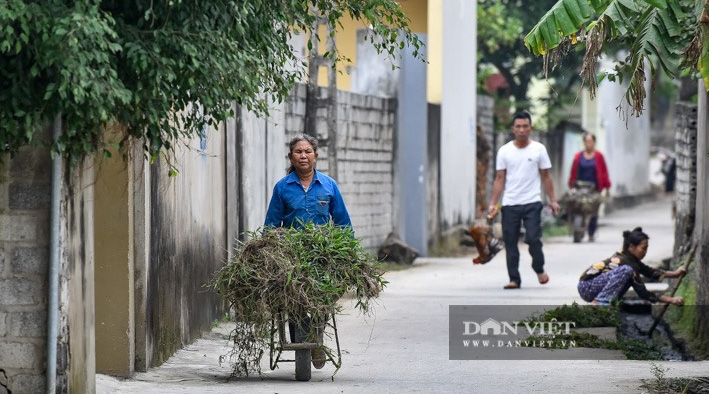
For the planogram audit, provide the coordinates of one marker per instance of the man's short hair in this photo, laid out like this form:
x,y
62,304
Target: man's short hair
x,y
522,115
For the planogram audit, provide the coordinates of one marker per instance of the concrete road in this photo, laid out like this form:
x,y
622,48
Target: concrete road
x,y
403,347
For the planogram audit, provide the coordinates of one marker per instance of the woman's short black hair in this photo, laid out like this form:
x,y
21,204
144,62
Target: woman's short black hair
x,y
633,237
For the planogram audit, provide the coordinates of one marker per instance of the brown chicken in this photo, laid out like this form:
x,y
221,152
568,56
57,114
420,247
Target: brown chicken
x,y
488,246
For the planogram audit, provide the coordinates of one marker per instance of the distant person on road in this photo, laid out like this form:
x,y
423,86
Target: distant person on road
x,y
609,279
522,164
589,165
669,168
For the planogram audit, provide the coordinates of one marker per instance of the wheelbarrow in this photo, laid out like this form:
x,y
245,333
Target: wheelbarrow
x,y
581,203
302,342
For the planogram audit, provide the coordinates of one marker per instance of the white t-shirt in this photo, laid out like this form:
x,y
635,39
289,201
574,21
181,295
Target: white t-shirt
x,y
522,179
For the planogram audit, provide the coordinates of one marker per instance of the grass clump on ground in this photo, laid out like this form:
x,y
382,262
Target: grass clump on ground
x,y
583,315
588,316
662,384
302,272
633,350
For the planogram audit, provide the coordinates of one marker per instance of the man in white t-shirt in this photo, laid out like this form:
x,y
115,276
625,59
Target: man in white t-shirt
x,y
521,165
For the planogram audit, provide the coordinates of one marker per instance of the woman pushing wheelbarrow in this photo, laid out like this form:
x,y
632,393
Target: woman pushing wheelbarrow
x,y
292,273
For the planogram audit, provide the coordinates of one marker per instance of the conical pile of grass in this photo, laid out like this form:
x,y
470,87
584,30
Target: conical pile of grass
x,y
303,272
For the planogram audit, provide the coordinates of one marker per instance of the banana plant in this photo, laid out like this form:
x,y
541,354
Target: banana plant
x,y
670,33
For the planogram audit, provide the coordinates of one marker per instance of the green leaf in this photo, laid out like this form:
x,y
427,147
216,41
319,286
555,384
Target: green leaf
x,y
565,18
703,64
662,4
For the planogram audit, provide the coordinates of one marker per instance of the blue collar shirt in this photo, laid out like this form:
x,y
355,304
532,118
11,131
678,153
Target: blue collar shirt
x,y
321,202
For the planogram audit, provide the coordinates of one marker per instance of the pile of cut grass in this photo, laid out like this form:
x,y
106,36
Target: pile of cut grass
x,y
588,316
581,315
302,272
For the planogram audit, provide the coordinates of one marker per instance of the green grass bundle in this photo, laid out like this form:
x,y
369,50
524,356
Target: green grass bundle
x,y
581,315
291,270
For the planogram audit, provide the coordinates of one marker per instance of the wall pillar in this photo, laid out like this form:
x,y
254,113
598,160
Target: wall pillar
x,y
701,229
458,112
115,306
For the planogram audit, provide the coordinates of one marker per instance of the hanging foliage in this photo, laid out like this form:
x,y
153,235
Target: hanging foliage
x,y
671,33
165,69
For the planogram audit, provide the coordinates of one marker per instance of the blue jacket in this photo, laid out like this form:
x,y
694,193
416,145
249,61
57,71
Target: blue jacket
x,y
322,201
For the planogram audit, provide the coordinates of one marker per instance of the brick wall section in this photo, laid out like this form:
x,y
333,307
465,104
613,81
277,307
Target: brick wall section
x,y
686,181
24,219
365,157
366,144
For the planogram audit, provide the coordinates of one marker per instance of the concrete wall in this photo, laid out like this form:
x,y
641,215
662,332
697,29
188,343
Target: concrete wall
x,y
410,172
188,243
262,157
701,227
433,175
629,173
484,114
373,73
160,239
76,346
458,108
25,189
616,137
686,182
141,242
114,272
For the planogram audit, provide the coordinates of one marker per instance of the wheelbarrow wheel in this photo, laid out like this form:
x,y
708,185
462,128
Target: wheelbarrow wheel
x,y
302,365
303,358
578,226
